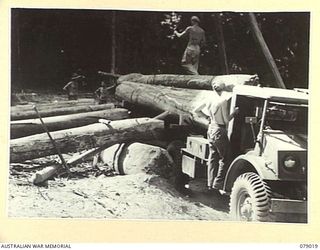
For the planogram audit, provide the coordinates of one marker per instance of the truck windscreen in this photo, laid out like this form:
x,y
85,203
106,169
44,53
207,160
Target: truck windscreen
x,y
282,116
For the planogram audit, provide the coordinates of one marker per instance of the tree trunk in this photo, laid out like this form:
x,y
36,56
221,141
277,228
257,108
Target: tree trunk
x,y
48,111
113,43
265,50
222,46
176,100
23,128
86,137
192,81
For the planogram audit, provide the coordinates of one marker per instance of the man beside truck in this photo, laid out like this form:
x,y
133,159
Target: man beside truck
x,y
217,113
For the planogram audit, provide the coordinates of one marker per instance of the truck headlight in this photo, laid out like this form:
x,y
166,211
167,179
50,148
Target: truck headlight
x,y
290,162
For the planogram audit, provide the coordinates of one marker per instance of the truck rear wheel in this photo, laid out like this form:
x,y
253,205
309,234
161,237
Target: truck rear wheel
x,y
250,198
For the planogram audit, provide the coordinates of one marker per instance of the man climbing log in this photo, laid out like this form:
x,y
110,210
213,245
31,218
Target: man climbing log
x,y
191,55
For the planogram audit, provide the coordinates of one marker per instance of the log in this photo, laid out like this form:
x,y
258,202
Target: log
x,y
129,77
44,174
54,111
192,81
23,128
175,100
86,137
25,98
109,74
56,104
138,158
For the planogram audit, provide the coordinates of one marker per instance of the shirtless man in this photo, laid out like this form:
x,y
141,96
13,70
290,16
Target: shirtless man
x,y
216,112
190,58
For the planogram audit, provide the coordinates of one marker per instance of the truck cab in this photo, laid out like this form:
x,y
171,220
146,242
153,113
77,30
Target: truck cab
x,y
268,172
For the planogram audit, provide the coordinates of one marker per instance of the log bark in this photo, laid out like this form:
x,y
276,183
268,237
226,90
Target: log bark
x,y
192,81
175,100
80,102
23,128
54,111
86,137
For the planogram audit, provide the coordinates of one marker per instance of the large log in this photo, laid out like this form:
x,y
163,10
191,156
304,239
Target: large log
x,y
48,111
192,81
33,126
176,100
86,137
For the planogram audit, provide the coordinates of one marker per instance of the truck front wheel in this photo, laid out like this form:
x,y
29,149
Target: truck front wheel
x,y
250,198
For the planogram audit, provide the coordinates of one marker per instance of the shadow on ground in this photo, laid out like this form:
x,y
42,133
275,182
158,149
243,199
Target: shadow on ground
x,y
198,193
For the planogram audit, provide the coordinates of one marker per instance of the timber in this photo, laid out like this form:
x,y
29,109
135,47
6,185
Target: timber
x,y
86,137
174,100
64,103
192,81
28,127
54,111
109,74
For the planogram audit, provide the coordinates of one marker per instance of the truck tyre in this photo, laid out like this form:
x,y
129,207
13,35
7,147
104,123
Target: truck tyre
x,y
250,198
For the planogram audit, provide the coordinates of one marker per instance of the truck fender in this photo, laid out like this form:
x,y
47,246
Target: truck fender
x,y
243,164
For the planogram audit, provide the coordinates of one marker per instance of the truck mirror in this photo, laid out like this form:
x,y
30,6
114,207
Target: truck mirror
x,y
251,119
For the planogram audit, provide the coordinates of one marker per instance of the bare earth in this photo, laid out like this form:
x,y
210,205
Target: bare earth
x,y
139,196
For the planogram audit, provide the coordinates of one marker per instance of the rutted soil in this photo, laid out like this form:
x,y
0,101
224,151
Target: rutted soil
x,y
86,195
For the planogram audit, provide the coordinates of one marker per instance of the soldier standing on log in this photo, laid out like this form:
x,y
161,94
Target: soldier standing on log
x,y
220,152
190,59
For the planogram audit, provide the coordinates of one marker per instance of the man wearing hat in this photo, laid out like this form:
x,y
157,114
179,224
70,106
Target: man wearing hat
x,y
215,110
72,87
190,58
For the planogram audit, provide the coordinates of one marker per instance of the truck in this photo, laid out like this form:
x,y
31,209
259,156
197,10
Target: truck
x,y
267,177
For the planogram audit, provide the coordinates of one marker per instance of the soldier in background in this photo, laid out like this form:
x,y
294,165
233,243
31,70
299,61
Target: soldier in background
x,y
190,59
72,87
103,92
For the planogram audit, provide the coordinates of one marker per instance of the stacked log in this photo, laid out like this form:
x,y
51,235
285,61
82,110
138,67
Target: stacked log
x,y
47,111
204,82
57,103
86,137
176,94
28,127
176,100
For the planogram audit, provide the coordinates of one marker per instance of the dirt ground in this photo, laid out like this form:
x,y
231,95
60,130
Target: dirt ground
x,y
139,196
